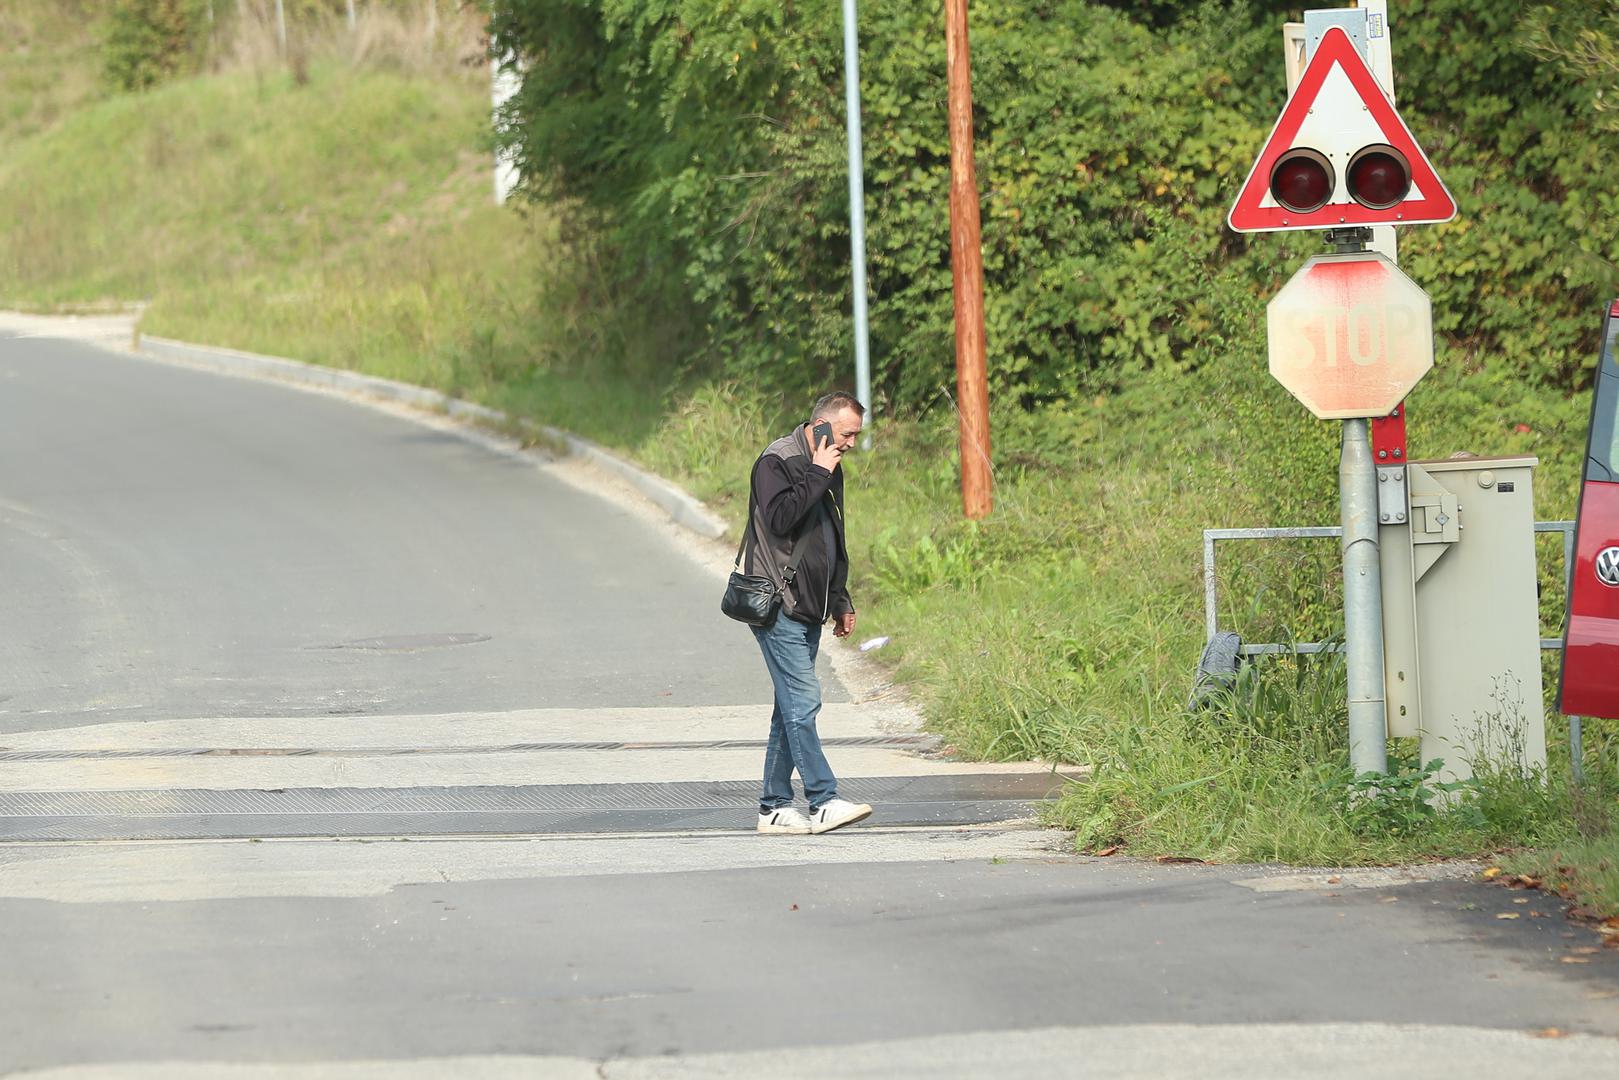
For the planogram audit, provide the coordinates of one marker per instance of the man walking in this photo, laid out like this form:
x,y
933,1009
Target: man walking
x,y
796,539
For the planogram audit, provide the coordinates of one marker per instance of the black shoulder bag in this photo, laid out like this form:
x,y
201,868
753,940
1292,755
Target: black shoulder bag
x,y
751,598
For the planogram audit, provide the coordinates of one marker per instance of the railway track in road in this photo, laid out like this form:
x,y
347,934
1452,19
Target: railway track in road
x,y
526,772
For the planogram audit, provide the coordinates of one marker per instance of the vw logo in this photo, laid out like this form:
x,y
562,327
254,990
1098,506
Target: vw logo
x,y
1607,563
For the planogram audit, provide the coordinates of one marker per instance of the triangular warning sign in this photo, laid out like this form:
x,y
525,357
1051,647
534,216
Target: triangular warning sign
x,y
1337,111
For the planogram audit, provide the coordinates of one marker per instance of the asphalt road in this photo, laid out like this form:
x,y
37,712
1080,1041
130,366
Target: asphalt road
x,y
174,543
879,949
221,592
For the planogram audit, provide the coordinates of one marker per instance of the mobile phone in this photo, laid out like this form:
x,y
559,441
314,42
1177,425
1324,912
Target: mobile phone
x,y
820,432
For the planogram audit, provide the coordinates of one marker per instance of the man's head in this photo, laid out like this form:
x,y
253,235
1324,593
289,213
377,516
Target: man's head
x,y
844,413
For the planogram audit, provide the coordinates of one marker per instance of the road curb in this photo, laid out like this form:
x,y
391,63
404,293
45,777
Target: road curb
x,y
681,507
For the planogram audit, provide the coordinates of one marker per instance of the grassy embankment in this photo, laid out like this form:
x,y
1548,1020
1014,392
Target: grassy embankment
x,y
348,221
46,64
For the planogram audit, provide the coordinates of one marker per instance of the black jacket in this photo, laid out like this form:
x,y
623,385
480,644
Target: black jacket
x,y
793,497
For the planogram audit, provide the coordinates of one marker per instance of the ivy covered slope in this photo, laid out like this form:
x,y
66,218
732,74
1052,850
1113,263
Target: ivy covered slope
x,y
708,139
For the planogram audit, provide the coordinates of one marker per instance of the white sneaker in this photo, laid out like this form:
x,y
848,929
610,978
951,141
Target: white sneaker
x,y
788,819
836,814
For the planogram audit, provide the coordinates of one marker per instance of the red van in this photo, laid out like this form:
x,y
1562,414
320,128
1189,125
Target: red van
x,y
1590,683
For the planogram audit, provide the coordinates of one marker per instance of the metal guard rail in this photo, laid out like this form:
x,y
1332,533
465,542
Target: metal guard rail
x,y
1315,532
1210,536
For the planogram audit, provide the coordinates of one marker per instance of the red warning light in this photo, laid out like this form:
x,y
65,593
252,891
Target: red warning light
x,y
1302,181
1367,167
1379,177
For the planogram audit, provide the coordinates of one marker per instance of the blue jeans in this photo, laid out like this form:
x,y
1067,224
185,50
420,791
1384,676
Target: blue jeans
x,y
789,647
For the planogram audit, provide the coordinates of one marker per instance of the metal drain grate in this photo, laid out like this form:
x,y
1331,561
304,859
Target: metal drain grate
x,y
199,813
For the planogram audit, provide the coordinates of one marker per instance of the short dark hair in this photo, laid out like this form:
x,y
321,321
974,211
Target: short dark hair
x,y
835,402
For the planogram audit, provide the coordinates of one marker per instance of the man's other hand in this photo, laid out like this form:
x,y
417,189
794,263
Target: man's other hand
x,y
843,625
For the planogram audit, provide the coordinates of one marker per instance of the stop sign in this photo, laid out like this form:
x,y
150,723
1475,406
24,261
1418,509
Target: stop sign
x,y
1350,335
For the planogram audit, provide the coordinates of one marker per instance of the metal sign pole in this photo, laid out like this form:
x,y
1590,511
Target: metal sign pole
x,y
1576,744
1363,600
857,214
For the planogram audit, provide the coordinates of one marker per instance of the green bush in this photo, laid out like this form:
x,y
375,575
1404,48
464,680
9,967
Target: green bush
x,y
710,140
707,139
149,41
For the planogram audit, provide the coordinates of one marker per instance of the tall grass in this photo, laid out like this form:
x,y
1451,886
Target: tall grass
x,y
1067,625
441,38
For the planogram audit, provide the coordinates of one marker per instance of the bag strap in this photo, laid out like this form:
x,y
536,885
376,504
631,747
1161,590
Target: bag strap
x,y
789,573
747,529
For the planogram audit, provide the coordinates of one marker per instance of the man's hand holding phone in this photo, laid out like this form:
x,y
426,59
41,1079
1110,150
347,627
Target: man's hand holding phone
x,y
823,452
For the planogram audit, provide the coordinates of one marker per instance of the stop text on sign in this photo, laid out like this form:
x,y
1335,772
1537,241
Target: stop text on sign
x,y
1350,335
1363,334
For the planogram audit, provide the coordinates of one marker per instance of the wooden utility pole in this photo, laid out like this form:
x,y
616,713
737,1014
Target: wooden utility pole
x,y
967,271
